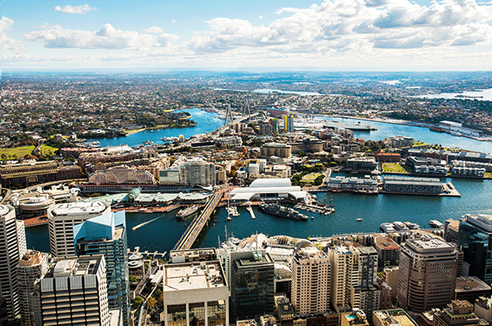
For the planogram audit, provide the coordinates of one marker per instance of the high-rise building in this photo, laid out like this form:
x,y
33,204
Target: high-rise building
x,y
275,125
106,235
32,265
310,281
197,173
427,274
12,247
365,295
195,293
289,123
74,292
344,275
252,283
63,217
266,129
475,239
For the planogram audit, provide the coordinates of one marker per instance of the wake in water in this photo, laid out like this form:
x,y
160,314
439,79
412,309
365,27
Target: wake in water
x,y
145,223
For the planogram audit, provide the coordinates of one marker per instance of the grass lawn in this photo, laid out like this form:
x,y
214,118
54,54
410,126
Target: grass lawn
x,y
393,167
17,151
48,150
309,178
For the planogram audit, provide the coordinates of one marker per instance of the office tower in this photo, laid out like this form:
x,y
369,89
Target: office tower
x,y
32,265
344,275
74,292
275,125
289,123
365,295
197,173
63,217
475,239
427,274
310,281
252,282
106,235
12,247
195,293
266,129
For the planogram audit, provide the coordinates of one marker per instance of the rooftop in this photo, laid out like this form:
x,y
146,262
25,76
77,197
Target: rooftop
x,y
182,277
470,283
74,266
78,208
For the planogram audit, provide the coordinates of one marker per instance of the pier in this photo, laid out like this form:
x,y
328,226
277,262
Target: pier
x,y
191,234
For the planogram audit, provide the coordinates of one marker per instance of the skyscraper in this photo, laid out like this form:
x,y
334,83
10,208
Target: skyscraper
x,y
365,295
427,274
32,265
63,217
12,247
310,281
344,275
252,283
74,292
289,123
475,239
106,235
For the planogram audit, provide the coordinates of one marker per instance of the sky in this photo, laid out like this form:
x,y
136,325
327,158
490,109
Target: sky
x,y
251,35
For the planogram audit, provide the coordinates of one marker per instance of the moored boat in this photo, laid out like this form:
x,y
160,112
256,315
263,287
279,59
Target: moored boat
x,y
187,211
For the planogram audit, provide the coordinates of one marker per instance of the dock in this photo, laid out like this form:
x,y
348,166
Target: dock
x,y
199,222
251,212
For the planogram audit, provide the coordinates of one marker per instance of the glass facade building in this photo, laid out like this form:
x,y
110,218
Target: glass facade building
x,y
106,235
475,240
252,285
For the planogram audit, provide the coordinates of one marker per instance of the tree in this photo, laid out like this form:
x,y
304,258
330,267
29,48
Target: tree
x,y
151,303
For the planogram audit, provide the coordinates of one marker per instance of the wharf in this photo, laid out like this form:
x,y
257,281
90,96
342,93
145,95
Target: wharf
x,y
151,209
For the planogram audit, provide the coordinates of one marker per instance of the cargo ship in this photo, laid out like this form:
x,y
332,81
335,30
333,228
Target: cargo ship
x,y
282,211
187,211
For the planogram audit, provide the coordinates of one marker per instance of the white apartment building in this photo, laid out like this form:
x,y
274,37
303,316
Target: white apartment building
x,y
344,274
310,281
74,292
63,217
12,247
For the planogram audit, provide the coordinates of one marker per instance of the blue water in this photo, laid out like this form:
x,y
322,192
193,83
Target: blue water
x,y
163,233
206,122
419,133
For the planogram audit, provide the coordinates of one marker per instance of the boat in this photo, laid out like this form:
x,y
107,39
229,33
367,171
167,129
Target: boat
x,y
360,219
436,224
412,226
169,138
433,128
387,227
336,190
399,226
187,211
232,210
282,211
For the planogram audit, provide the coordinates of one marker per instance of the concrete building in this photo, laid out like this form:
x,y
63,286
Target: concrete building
x,y
74,292
192,173
392,317
310,281
63,217
24,174
459,313
451,230
269,189
483,308
475,234
399,141
12,248
122,175
361,164
106,235
252,284
266,129
195,294
289,123
32,266
365,295
426,165
388,250
412,185
354,318
276,149
427,275
366,184
471,288
344,275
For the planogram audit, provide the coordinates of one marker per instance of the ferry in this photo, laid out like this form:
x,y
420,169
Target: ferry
x,y
232,210
436,224
360,219
412,226
187,211
399,226
169,138
387,227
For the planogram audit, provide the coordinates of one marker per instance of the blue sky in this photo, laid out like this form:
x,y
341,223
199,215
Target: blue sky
x,y
159,35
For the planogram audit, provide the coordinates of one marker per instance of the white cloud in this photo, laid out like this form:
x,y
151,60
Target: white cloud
x,y
8,44
107,38
75,9
154,30
352,25
173,21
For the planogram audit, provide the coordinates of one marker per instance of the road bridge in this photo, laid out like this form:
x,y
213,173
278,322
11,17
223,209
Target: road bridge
x,y
193,231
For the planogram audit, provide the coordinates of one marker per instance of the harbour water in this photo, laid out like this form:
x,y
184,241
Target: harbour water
x,y
163,233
